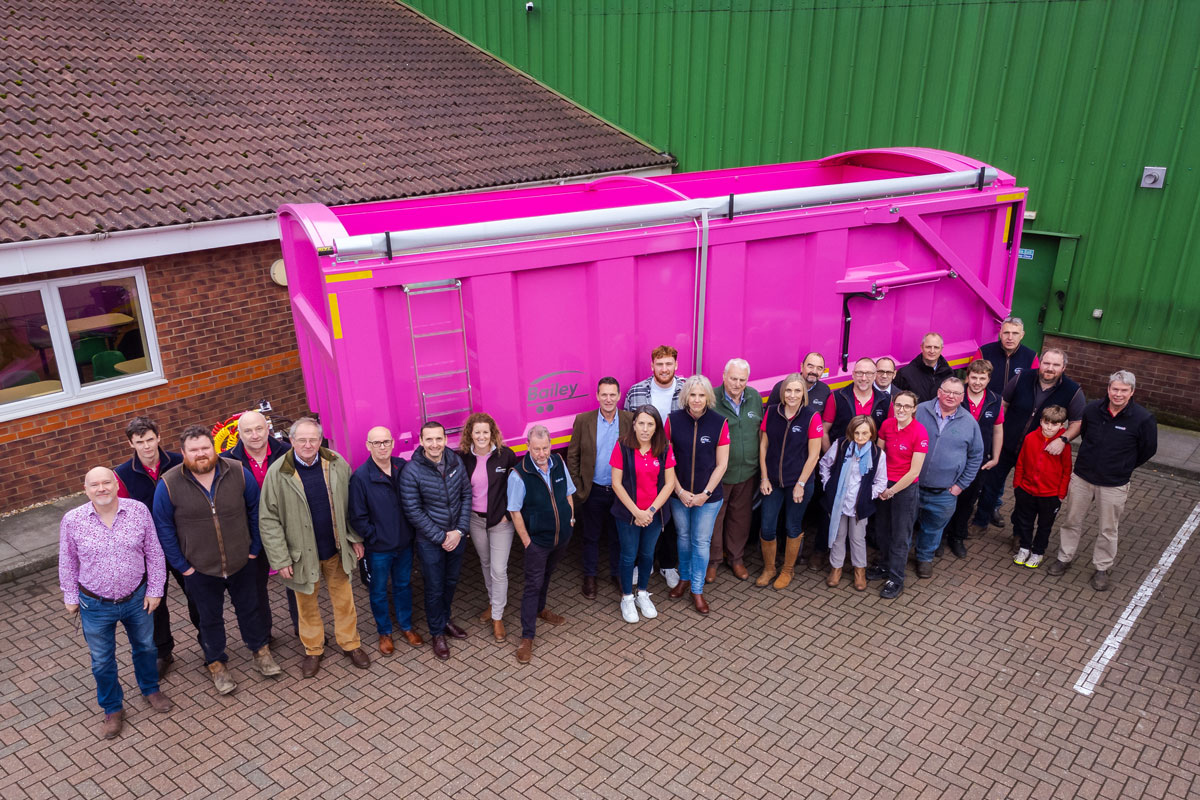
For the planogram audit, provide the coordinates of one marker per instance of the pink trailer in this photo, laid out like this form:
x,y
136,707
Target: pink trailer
x,y
517,301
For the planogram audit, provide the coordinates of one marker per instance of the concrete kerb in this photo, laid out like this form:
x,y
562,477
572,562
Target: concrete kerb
x,y
29,539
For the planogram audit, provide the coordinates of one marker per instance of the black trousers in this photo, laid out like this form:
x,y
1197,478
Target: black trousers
x,y
956,528
164,642
208,593
600,525
539,566
263,580
893,530
1030,510
666,553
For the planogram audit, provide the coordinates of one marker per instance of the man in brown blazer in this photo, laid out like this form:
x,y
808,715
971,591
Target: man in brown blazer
x,y
593,437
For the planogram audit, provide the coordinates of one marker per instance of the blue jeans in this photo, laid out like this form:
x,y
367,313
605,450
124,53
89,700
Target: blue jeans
x,y
637,549
398,565
99,622
936,510
693,532
440,571
774,502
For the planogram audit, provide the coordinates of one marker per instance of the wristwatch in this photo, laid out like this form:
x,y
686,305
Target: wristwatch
x,y
708,492
652,509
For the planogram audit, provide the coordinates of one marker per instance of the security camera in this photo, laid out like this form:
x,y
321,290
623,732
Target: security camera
x,y
528,7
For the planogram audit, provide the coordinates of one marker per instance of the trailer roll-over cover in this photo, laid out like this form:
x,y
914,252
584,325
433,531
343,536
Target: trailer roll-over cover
x,y
516,302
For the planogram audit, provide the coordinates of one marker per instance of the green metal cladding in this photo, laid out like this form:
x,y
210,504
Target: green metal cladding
x,y
1074,97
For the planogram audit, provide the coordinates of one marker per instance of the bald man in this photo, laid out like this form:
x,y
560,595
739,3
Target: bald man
x,y
375,514
111,569
257,449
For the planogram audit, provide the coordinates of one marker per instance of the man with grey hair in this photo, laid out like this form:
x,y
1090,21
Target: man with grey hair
x,y
1007,355
303,511
540,499
1118,437
742,406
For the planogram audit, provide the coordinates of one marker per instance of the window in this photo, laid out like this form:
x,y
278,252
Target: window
x,y
75,339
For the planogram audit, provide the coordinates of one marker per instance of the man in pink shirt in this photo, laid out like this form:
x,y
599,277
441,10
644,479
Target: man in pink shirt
x,y
111,569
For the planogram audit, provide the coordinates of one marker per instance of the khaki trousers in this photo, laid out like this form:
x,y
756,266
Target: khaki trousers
x,y
1110,502
345,618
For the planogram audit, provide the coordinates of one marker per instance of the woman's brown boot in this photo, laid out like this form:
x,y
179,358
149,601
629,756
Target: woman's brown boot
x,y
860,578
791,552
768,551
835,577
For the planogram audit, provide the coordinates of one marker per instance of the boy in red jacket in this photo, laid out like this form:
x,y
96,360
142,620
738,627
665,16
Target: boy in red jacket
x,y
1040,485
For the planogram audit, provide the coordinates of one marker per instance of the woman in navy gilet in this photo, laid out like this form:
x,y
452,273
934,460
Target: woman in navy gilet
x,y
700,439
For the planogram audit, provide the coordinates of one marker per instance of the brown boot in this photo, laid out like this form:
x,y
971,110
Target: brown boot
x,y
221,679
386,645
790,552
525,651
113,722
860,578
265,664
710,574
681,588
768,551
498,631
835,577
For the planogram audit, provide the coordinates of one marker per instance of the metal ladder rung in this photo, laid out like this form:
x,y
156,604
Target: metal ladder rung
x,y
436,333
441,374
454,411
446,393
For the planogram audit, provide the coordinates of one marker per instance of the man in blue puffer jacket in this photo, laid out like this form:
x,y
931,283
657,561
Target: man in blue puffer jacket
x,y
435,491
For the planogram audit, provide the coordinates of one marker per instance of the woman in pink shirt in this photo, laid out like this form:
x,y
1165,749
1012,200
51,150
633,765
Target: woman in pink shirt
x,y
643,469
488,463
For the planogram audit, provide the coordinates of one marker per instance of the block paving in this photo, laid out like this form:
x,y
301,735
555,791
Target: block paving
x,y
961,688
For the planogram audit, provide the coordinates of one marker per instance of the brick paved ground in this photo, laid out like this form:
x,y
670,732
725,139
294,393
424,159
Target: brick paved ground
x,y
961,688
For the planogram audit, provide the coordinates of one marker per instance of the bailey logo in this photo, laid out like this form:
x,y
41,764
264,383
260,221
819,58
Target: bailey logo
x,y
553,387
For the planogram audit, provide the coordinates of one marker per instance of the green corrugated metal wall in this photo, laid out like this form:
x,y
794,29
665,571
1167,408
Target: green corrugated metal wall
x,y
1073,97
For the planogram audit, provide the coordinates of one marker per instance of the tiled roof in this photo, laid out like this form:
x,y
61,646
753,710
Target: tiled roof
x,y
124,114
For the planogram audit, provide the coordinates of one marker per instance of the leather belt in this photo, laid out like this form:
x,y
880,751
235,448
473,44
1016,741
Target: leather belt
x,y
84,591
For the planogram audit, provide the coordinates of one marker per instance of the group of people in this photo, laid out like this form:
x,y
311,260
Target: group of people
x,y
668,482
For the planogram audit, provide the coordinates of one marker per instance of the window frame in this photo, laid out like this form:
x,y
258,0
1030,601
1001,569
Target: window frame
x,y
73,392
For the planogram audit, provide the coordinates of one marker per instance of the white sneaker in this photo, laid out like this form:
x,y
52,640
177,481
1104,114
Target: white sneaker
x,y
671,576
628,611
645,606
635,576
1034,561
1022,557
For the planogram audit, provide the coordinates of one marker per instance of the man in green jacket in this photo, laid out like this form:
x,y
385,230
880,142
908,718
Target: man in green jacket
x,y
302,522
742,405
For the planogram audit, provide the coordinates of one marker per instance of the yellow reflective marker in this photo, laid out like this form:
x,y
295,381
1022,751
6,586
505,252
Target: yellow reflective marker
x,y
335,318
348,276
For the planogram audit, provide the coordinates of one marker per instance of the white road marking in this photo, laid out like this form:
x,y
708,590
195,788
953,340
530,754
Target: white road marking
x,y
1095,668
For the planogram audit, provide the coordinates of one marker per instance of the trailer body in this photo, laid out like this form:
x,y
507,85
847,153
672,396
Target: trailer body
x,y
518,301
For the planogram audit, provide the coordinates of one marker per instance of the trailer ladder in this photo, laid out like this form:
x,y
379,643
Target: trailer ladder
x,y
438,334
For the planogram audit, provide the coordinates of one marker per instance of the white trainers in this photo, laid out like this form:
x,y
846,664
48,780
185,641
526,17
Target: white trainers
x,y
1034,561
1022,556
628,611
645,606
635,577
671,576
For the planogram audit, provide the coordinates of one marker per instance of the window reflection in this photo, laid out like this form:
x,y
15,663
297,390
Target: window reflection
x,y
105,325
27,364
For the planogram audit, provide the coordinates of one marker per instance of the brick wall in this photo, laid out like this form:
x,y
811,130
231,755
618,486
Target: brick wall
x,y
1166,384
226,339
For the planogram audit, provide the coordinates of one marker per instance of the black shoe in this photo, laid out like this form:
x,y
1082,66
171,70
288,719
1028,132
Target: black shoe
x,y
941,551
455,632
958,548
995,521
924,569
164,664
1099,580
891,590
876,573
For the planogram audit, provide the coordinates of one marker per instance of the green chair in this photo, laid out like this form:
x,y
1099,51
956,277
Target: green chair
x,y
104,364
88,346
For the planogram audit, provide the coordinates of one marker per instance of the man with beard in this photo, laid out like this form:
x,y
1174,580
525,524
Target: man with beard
x,y
206,513
303,511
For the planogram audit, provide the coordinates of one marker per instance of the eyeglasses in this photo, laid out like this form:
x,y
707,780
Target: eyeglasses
x,y
949,393
886,371
307,441
381,443
858,374
903,406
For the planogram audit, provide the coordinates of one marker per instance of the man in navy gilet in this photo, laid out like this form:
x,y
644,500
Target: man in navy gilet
x,y
1007,355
